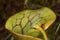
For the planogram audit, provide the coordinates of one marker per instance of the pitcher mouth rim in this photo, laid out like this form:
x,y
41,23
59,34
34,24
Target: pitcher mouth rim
x,y
17,34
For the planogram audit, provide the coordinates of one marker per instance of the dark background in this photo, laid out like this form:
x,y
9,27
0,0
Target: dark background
x,y
11,7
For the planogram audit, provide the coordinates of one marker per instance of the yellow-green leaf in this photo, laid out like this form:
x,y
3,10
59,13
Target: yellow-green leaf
x,y
24,23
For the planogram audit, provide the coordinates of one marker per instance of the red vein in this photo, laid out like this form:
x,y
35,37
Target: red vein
x,y
21,24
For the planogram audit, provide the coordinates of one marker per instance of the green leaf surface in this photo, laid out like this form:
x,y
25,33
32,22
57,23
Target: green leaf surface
x,y
25,22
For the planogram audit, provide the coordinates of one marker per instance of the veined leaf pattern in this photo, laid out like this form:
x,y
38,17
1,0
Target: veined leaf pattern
x,y
25,22
30,21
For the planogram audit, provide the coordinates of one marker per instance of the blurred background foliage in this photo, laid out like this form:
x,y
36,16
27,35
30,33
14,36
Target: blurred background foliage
x,y
11,7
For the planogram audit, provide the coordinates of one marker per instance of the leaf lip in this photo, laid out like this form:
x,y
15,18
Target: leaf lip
x,y
27,36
